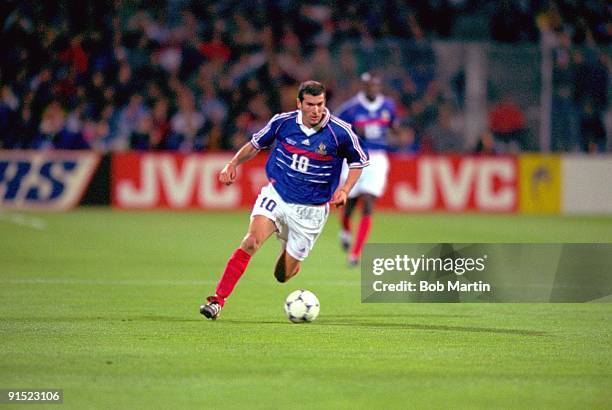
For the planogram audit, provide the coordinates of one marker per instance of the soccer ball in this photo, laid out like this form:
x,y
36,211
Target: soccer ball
x,y
302,306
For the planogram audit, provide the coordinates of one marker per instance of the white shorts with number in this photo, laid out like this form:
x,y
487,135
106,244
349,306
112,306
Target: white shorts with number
x,y
298,226
373,179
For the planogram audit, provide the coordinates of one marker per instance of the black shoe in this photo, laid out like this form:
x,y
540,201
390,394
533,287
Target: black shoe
x,y
345,240
211,310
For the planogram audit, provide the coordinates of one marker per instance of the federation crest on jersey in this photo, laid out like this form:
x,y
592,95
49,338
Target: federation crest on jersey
x,y
322,149
385,115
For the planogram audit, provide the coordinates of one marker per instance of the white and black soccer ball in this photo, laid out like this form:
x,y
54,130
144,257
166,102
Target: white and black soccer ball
x,y
302,306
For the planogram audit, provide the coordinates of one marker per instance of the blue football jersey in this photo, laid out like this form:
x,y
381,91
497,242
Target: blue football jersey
x,y
305,163
371,119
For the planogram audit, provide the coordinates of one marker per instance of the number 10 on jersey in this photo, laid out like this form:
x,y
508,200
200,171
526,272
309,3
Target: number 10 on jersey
x,y
299,162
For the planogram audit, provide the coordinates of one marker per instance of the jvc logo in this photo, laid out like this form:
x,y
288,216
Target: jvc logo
x,y
459,184
36,181
172,181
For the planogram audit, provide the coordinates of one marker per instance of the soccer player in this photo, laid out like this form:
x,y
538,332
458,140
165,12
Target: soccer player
x,y
308,148
372,116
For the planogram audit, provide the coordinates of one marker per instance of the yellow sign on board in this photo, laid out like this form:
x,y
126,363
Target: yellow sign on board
x,y
540,184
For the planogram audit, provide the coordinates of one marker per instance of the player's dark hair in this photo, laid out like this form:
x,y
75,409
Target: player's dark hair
x,y
311,88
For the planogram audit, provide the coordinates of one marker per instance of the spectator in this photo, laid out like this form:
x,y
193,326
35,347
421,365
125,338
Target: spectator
x,y
442,137
54,133
160,127
9,105
215,49
564,121
129,118
187,126
485,144
507,122
140,137
125,86
511,24
104,131
591,98
592,132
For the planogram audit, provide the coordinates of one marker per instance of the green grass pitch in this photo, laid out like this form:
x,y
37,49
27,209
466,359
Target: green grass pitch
x,y
104,305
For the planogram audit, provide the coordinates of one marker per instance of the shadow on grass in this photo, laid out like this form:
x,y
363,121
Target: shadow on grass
x,y
404,315
197,318
336,320
406,326
124,319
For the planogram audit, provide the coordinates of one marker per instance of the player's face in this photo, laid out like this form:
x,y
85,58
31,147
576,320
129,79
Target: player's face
x,y
373,88
312,107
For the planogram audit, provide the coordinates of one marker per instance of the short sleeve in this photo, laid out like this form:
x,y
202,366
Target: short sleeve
x,y
356,155
265,137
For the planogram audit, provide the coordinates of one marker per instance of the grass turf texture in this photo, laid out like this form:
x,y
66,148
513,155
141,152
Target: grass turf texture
x,y
105,306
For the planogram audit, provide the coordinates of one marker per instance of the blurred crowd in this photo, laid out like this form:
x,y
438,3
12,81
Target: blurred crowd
x,y
581,84
204,75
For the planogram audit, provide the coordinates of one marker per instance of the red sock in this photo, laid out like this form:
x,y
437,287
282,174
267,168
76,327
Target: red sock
x,y
346,223
362,235
236,265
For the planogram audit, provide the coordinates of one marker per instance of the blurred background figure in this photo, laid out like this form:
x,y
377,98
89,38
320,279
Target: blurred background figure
x,y
485,144
373,118
507,123
444,136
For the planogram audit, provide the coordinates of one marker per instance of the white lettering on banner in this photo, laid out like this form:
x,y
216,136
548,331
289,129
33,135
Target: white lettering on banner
x,y
439,184
148,195
486,197
456,191
54,180
423,197
10,172
178,183
210,195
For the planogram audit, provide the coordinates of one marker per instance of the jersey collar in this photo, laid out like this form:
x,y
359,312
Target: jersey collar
x,y
317,128
370,105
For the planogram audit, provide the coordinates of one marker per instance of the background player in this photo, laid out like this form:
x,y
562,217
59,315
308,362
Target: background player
x,y
372,116
309,146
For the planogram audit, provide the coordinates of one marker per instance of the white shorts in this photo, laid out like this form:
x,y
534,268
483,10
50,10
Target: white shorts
x,y
373,179
298,226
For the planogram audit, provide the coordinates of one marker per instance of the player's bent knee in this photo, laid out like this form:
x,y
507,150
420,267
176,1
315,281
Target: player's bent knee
x,y
280,274
368,204
250,244
283,273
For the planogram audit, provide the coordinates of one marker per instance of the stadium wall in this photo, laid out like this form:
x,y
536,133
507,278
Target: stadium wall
x,y
587,185
529,183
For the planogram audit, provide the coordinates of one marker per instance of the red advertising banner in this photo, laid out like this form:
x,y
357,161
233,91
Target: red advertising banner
x,y
452,184
416,183
178,181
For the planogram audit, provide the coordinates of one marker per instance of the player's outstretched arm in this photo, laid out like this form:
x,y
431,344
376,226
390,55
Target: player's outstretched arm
x,y
341,196
228,173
